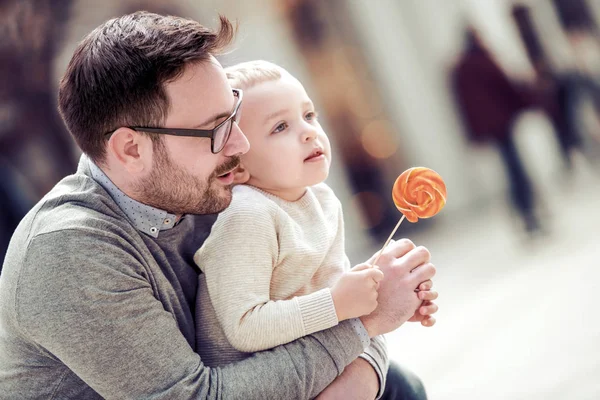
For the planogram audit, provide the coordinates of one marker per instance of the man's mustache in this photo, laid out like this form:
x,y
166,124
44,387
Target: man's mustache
x,y
228,165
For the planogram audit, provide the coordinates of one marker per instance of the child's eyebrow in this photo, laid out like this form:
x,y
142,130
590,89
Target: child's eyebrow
x,y
308,104
276,114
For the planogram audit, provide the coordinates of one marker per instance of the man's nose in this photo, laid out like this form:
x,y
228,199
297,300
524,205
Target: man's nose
x,y
237,143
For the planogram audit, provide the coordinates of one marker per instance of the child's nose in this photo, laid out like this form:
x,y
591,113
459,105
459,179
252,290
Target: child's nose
x,y
309,134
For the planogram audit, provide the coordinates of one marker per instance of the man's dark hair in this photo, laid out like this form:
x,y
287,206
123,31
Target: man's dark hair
x,y
117,74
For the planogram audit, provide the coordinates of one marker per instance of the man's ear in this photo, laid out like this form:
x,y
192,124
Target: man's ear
x,y
240,175
131,149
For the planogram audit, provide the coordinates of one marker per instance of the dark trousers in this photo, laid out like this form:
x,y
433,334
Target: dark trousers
x,y
402,384
521,188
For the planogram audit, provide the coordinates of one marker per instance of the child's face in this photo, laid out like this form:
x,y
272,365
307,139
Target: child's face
x,y
288,148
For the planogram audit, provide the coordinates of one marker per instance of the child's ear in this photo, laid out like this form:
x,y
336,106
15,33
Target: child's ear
x,y
240,175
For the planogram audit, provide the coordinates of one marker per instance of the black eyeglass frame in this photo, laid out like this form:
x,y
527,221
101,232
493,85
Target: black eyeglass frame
x,y
208,133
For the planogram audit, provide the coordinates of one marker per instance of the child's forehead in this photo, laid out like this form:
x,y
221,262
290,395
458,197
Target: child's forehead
x,y
273,89
270,101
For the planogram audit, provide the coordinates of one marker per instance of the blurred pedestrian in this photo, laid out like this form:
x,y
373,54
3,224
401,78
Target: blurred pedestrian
x,y
558,96
490,103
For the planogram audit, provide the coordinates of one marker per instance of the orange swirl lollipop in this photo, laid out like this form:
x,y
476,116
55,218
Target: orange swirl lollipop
x,y
419,193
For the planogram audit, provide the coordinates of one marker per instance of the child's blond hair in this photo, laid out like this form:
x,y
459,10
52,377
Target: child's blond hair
x,y
250,73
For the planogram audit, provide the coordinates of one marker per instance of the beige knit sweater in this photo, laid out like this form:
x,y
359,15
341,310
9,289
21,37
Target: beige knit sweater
x,y
268,265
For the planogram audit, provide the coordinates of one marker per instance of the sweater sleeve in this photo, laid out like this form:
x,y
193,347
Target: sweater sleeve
x,y
238,260
376,353
87,301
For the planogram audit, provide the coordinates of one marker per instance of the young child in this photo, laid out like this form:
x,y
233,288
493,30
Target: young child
x,y
274,264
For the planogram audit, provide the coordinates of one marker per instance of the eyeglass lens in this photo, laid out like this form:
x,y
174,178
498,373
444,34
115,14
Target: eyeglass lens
x,y
222,134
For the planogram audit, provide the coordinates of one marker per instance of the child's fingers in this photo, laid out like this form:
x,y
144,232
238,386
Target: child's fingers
x,y
375,274
361,267
427,285
427,295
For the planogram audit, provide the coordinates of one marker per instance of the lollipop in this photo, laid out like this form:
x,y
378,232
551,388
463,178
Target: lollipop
x,y
418,193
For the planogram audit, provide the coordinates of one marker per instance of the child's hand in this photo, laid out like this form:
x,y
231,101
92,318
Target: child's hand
x,y
355,293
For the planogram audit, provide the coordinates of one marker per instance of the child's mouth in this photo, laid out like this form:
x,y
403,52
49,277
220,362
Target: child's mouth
x,y
315,155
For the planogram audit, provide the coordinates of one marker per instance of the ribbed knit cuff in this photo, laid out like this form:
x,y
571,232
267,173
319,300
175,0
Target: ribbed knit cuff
x,y
317,310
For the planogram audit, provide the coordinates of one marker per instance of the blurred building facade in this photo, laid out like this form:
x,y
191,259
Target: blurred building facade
x,y
379,73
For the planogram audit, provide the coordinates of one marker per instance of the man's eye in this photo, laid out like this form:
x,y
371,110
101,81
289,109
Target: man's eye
x,y
218,122
281,127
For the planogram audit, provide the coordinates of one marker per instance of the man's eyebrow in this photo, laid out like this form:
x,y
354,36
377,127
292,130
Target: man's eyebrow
x,y
212,120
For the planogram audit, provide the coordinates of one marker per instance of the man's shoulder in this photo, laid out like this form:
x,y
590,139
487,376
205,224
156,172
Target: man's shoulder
x,y
75,203
73,225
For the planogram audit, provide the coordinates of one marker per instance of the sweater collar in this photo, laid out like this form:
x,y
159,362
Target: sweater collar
x,y
145,218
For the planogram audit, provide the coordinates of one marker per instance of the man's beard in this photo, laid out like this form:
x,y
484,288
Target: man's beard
x,y
176,191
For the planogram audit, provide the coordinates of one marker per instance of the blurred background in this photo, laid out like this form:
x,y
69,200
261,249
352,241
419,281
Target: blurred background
x,y
500,97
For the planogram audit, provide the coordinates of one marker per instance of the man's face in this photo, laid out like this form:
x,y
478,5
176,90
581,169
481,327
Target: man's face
x,y
186,177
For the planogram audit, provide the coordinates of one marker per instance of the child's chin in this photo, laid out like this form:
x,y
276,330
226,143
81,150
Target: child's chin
x,y
319,178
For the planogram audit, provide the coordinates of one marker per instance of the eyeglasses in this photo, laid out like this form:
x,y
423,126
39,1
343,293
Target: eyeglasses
x,y
219,135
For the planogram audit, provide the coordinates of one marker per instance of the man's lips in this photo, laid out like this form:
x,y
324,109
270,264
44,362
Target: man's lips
x,y
229,167
226,179
224,174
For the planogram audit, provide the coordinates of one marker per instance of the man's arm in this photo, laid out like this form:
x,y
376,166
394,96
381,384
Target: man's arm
x,y
377,357
365,377
86,299
405,268
358,382
368,380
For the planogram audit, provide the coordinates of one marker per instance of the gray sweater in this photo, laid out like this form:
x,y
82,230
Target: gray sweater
x,y
90,307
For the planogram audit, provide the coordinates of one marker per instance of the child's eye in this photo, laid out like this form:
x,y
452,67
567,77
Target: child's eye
x,y
311,115
281,127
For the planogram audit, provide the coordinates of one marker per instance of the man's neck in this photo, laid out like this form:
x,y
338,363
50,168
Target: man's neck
x,y
127,188
145,217
117,178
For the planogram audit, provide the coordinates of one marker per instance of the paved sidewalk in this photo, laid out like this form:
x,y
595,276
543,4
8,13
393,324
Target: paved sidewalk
x,y
519,317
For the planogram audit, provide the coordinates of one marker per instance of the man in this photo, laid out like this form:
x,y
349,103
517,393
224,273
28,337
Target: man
x,y
98,287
